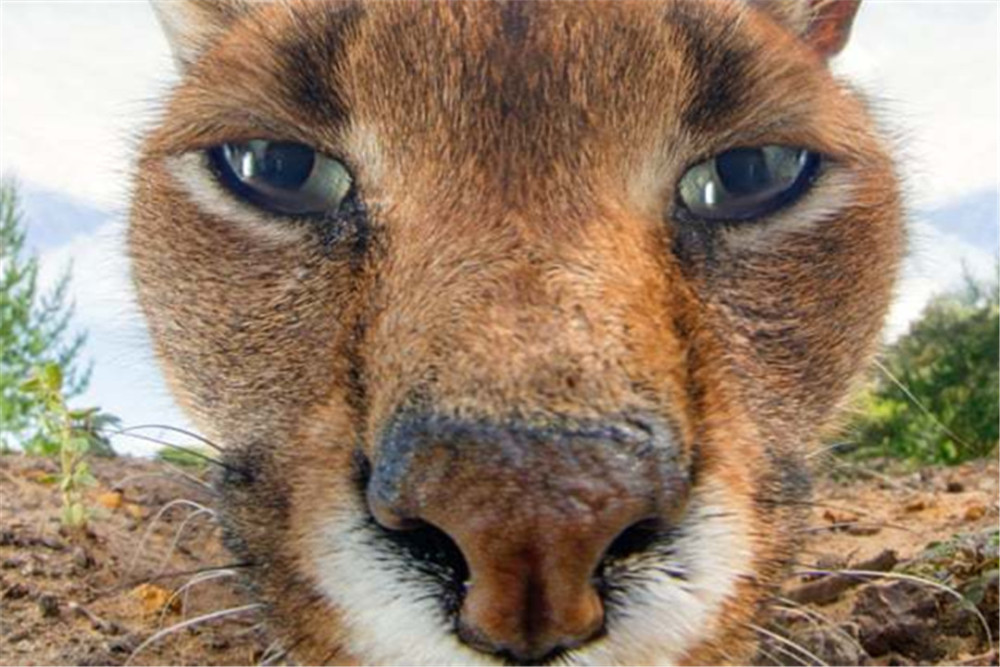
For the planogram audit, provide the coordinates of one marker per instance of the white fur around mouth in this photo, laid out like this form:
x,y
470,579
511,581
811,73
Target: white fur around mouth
x,y
391,619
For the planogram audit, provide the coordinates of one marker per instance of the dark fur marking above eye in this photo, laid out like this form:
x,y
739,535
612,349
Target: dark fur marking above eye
x,y
308,60
719,61
514,18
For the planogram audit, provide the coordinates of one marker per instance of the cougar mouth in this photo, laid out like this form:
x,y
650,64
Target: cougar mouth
x,y
427,557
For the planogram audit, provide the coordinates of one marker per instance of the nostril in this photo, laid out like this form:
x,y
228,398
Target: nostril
x,y
637,538
430,550
421,545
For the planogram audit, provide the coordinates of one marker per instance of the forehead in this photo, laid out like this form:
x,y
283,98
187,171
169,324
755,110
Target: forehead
x,y
504,65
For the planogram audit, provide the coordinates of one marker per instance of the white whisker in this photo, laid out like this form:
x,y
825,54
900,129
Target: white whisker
x,y
789,643
194,621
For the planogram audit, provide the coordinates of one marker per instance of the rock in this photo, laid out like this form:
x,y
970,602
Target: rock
x,y
830,587
11,563
217,643
96,622
49,605
16,592
18,636
82,558
898,617
125,644
908,637
833,645
89,656
50,542
918,505
954,486
110,500
154,598
897,598
975,512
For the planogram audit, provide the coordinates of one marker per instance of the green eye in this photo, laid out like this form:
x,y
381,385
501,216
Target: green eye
x,y
282,177
748,183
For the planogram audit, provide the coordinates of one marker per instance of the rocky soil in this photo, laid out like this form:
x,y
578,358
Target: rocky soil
x,y
899,568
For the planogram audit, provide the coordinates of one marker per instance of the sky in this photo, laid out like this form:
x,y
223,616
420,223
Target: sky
x,y
79,81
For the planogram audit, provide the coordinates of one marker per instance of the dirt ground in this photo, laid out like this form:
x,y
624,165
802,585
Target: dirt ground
x,y
898,568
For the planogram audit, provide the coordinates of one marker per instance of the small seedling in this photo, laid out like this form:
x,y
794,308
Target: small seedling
x,y
69,432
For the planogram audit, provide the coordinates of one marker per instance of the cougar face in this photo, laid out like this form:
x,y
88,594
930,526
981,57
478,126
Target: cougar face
x,y
517,320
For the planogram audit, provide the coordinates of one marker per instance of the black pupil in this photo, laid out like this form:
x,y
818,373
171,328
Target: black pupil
x,y
285,165
743,171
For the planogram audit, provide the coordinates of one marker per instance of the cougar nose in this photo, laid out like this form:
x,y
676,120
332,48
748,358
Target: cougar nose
x,y
532,510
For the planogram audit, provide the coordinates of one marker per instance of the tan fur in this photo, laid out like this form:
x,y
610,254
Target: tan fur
x,y
518,165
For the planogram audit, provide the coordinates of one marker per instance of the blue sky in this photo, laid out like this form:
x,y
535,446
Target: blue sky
x,y
79,80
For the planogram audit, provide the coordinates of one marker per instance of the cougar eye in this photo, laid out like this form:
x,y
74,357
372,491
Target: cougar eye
x,y
281,176
747,183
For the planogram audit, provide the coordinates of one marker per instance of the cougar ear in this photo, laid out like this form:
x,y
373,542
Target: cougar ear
x,y
824,25
192,25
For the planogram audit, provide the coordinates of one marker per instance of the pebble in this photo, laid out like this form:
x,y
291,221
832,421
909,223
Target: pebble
x,y
96,622
82,559
19,636
16,592
48,604
11,563
975,512
125,644
918,505
111,500
217,643
52,543
954,486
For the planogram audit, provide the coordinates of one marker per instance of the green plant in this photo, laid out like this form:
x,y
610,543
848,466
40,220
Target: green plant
x,y
34,330
937,396
72,433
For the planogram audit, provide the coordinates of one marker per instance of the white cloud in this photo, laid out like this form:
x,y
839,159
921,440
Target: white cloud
x,y
101,288
933,68
77,82
937,262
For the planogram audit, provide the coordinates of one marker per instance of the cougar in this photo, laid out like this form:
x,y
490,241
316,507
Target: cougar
x,y
516,321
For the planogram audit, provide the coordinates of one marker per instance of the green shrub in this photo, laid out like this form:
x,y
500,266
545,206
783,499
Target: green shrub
x,y
936,398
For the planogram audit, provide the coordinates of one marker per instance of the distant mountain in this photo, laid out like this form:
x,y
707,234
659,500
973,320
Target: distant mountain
x,y
974,219
53,218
